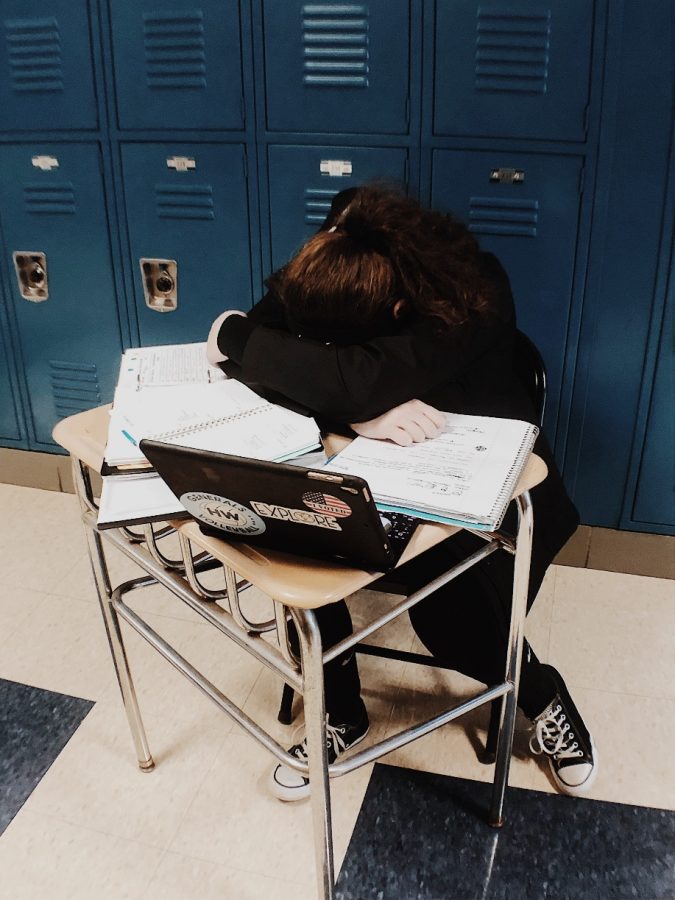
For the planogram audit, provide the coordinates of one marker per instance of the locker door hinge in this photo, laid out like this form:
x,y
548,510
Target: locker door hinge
x,y
406,172
242,106
407,111
582,180
244,163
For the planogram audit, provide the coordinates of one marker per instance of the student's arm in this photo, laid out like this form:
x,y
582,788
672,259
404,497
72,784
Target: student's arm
x,y
359,382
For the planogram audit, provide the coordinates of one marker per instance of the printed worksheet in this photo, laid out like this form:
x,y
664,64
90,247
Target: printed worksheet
x,y
467,472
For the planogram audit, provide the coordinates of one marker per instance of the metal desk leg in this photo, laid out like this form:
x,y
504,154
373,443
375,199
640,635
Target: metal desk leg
x,y
315,726
119,656
521,581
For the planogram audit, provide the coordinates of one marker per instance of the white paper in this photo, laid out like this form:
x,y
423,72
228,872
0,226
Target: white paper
x,y
135,499
224,416
144,367
468,472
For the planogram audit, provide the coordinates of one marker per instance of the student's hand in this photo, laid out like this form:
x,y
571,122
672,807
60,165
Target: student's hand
x,y
213,353
409,423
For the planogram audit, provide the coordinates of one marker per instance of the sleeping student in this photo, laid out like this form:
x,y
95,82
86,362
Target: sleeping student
x,y
387,315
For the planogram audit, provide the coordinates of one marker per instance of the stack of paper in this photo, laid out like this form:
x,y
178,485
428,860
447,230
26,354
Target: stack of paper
x,y
466,476
172,394
208,412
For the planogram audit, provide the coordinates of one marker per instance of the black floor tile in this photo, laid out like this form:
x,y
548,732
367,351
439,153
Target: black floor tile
x,y
35,725
424,837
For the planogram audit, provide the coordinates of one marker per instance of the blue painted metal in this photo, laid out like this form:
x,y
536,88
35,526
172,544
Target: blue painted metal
x,y
46,62
300,193
507,70
178,65
69,343
337,67
530,225
10,419
197,217
654,499
623,298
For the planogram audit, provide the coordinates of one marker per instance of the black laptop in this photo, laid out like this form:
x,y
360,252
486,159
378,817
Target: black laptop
x,y
303,511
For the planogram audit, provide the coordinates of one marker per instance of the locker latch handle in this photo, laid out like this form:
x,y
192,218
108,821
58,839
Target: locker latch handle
x,y
507,176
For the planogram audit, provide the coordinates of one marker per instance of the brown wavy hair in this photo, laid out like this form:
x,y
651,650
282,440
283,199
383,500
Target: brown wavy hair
x,y
382,248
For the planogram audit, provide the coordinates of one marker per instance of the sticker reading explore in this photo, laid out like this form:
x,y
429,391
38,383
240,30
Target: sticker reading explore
x,y
222,513
299,516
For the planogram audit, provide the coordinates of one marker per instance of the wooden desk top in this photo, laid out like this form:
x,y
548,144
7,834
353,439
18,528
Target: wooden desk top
x,y
295,581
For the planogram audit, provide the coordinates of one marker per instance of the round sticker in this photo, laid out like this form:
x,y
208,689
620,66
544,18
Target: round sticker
x,y
219,512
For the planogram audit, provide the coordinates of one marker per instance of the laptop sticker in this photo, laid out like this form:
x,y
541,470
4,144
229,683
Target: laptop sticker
x,y
299,516
219,512
326,503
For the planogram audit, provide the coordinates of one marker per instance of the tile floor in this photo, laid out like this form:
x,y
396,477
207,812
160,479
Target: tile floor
x,y
202,824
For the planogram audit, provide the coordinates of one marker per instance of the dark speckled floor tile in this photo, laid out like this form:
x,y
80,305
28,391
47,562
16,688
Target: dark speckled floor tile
x,y
422,837
35,725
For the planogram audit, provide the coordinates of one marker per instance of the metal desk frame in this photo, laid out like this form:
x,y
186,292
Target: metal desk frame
x,y
305,675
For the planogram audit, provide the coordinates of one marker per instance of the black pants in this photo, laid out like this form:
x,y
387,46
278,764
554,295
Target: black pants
x,y
465,623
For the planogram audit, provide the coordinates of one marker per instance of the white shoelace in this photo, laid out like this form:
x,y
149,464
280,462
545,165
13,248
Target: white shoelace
x,y
334,740
552,736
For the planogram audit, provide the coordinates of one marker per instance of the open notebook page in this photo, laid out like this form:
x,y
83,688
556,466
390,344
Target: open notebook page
x,y
467,472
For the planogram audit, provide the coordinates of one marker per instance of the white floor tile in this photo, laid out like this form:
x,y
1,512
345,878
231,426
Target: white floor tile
x,y
179,877
60,646
43,857
96,783
234,817
614,632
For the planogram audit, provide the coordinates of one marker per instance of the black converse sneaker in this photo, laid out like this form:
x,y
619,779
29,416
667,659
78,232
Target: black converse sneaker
x,y
287,784
560,733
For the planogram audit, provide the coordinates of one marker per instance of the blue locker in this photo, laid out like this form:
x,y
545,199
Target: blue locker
x,y
47,80
655,495
512,69
304,180
56,250
337,67
177,64
10,429
187,216
523,208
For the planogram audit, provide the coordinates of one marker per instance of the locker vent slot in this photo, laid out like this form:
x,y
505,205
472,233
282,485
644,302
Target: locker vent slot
x,y
499,215
75,386
175,57
50,197
34,54
335,45
317,205
512,51
184,201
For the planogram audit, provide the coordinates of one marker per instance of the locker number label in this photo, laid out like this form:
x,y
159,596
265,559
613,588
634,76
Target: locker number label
x,y
181,163
336,168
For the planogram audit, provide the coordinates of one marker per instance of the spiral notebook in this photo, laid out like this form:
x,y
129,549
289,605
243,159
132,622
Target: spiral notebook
x,y
465,477
225,416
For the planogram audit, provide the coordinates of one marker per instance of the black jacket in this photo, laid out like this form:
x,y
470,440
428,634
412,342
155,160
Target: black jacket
x,y
465,369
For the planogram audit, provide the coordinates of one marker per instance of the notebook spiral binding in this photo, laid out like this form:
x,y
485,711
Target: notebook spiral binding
x,y
515,471
212,423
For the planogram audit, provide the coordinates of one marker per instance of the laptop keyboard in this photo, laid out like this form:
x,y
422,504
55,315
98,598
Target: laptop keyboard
x,y
400,531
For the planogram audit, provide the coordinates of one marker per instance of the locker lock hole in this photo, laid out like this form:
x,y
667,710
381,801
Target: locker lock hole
x,y
31,274
160,284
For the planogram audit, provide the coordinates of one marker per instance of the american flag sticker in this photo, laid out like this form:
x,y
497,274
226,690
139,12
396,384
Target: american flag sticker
x,y
326,503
